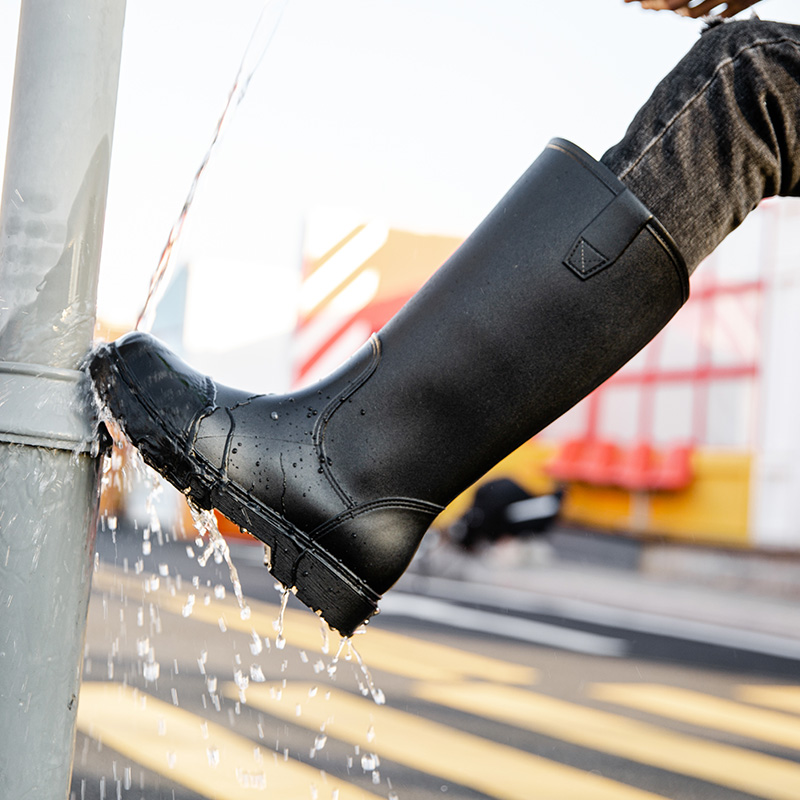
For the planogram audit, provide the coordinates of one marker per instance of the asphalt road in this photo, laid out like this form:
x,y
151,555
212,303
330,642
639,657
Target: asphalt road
x,y
185,696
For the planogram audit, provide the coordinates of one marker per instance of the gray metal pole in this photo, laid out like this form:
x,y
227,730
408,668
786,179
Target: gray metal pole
x,y
51,225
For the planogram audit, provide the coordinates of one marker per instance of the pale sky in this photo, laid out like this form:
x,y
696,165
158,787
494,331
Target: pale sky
x,y
420,112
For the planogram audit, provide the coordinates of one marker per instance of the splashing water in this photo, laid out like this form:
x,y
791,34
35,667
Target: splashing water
x,y
369,762
377,694
280,639
262,36
153,521
334,665
326,645
206,523
255,645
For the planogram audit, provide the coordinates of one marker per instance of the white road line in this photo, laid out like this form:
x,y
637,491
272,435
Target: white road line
x,y
611,616
525,630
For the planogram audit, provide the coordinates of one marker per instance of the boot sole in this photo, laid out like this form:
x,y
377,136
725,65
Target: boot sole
x,y
319,580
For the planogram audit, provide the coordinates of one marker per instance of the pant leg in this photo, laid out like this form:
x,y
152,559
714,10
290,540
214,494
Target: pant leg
x,y
720,132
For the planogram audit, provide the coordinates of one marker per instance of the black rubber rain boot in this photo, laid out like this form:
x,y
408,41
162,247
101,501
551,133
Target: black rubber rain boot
x,y
566,280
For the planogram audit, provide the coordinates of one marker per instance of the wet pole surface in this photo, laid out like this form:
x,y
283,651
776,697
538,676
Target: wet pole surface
x,y
51,224
467,714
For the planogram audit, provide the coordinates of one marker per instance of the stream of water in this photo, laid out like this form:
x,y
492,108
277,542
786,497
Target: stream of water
x,y
255,51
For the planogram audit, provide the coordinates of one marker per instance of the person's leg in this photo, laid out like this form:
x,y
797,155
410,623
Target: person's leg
x,y
720,132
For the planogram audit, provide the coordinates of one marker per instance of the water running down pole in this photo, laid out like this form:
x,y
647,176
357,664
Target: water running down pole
x,y
51,224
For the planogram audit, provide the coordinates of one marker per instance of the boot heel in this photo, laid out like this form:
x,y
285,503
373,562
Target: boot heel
x,y
341,600
318,580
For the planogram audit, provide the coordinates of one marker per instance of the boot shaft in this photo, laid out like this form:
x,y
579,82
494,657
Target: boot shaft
x,y
563,283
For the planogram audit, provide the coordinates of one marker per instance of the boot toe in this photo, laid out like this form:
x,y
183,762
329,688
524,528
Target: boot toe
x,y
144,384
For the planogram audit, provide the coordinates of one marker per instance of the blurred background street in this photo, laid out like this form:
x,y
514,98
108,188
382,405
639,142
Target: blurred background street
x,y
539,673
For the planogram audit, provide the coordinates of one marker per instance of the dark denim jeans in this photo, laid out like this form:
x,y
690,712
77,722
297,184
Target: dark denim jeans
x,y
720,132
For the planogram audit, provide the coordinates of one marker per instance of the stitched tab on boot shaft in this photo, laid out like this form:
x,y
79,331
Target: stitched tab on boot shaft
x,y
605,238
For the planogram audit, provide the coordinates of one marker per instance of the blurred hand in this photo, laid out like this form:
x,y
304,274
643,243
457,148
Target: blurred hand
x,y
682,7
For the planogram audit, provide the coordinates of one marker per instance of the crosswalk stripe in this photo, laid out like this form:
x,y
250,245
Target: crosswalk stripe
x,y
497,770
786,698
701,709
205,757
734,767
381,650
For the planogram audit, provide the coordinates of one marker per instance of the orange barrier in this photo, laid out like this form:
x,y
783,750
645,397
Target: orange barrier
x,y
637,468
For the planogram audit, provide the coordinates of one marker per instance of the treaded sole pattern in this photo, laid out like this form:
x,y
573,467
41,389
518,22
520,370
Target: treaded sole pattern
x,y
326,586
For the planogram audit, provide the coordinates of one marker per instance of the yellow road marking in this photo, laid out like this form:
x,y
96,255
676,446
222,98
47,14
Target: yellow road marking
x,y
734,767
381,650
786,698
497,770
183,747
702,709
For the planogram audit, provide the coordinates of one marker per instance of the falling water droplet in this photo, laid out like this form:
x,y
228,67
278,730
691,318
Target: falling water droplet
x,y
325,638
377,694
369,761
187,609
242,682
151,670
255,645
280,639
